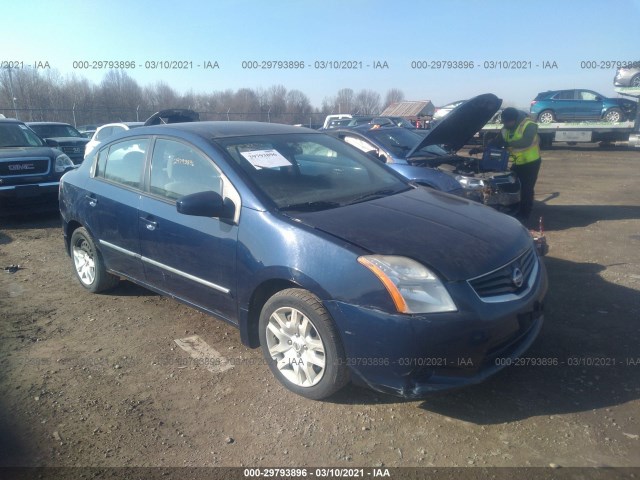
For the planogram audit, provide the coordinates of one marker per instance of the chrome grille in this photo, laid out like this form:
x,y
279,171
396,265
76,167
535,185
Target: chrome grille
x,y
73,150
24,166
501,284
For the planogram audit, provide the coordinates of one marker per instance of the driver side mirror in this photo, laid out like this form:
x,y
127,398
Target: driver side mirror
x,y
206,204
51,142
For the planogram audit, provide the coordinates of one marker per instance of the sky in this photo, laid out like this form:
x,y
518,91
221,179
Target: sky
x,y
536,33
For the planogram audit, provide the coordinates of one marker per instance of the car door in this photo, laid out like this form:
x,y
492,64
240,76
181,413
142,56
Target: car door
x,y
563,104
588,105
189,257
113,199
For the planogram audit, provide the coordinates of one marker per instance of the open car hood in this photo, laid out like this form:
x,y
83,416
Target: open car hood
x,y
454,130
172,115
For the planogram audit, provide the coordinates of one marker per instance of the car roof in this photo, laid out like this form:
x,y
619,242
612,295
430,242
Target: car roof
x,y
222,129
368,127
10,120
120,124
49,123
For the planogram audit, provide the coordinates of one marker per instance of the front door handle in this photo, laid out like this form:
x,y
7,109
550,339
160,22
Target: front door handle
x,y
93,201
151,224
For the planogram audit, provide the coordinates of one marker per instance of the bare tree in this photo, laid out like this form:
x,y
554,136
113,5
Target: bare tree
x,y
367,102
394,95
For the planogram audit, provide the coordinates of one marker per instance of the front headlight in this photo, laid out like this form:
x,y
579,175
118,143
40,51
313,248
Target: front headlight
x,y
470,182
63,162
412,286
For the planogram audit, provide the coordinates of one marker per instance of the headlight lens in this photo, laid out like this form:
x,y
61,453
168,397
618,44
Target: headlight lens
x,y
63,162
412,286
470,182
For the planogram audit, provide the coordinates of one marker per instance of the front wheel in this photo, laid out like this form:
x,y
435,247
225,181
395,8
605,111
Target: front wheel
x,y
635,81
301,344
613,115
88,264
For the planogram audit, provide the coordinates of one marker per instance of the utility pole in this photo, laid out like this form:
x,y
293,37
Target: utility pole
x,y
13,98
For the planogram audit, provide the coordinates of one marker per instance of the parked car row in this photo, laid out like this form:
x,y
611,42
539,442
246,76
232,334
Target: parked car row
x,y
34,155
429,157
30,169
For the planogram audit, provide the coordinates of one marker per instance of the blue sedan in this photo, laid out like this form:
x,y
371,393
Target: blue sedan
x,y
333,264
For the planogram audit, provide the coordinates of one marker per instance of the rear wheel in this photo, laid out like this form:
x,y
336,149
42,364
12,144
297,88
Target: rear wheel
x,y
88,264
546,116
301,344
635,81
613,115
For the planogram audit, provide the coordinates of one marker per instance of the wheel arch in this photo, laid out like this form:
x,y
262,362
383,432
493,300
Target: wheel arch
x,y
263,291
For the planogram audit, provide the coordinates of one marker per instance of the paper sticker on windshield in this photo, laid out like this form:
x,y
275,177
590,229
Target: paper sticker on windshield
x,y
266,159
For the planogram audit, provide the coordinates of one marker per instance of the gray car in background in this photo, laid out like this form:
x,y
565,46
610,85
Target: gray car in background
x,y
627,77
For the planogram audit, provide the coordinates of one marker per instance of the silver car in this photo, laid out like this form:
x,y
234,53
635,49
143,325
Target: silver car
x,y
627,77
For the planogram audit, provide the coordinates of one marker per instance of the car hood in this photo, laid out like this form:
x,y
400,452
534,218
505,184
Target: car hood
x,y
28,152
462,123
457,238
70,140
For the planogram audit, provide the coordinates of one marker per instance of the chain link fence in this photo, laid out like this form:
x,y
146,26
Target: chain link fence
x,y
80,117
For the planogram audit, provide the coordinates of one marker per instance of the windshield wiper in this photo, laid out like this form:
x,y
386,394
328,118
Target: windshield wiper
x,y
374,195
310,206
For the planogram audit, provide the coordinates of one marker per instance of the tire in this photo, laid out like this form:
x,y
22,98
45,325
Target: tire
x,y
301,344
635,81
613,115
546,116
88,264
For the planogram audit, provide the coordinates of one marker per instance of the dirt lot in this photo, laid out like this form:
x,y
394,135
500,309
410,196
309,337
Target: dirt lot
x,y
97,380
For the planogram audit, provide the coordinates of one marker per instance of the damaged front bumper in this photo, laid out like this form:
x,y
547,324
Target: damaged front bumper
x,y
413,355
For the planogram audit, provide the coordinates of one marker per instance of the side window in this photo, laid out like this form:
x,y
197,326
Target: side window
x,y
178,169
124,162
587,95
360,144
565,95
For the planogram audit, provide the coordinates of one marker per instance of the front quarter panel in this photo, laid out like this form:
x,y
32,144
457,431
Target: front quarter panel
x,y
274,247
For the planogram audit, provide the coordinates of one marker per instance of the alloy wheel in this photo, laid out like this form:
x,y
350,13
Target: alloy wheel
x,y
295,345
84,262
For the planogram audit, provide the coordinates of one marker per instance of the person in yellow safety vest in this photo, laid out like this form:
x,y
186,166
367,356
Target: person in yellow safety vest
x,y
520,136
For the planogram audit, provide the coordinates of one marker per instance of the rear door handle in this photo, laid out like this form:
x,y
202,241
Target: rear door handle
x,y
93,201
151,224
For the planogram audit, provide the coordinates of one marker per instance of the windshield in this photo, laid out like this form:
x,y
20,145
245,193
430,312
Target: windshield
x,y
309,171
399,141
18,135
52,131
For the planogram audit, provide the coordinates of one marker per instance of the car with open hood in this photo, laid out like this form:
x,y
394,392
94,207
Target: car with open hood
x,y
429,157
30,170
335,265
63,136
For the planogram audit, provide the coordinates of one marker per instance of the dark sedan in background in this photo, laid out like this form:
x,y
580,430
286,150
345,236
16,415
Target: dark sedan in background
x,y
428,157
332,263
30,170
64,136
580,105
